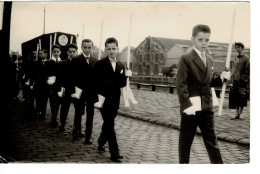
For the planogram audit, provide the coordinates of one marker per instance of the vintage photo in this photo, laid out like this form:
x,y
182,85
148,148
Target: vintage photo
x,y
125,82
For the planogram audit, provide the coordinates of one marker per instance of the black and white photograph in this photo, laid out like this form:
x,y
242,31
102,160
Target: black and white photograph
x,y
125,82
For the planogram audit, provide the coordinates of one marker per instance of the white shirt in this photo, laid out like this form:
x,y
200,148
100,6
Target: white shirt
x,y
53,58
199,53
86,57
113,63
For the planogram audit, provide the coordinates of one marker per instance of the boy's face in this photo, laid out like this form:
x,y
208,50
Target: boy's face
x,y
43,55
87,48
72,52
111,50
201,41
56,52
239,49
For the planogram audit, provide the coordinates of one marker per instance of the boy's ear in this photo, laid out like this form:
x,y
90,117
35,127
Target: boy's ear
x,y
192,39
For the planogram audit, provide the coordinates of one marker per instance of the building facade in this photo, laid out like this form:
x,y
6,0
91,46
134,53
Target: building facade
x,y
154,54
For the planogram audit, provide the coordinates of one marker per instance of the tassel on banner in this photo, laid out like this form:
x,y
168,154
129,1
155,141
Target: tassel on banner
x,y
130,95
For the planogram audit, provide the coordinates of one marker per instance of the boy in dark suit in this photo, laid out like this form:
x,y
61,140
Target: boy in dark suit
x,y
67,84
84,82
110,77
41,85
52,72
193,85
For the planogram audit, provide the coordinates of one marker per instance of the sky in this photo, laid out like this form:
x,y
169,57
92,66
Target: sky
x,y
157,19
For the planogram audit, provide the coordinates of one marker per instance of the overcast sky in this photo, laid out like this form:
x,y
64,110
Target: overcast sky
x,y
159,19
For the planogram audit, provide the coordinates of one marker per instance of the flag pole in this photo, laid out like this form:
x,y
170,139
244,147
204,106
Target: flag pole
x,y
128,62
50,45
100,41
227,63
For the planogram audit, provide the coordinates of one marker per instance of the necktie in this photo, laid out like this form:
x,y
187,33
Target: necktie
x,y
203,56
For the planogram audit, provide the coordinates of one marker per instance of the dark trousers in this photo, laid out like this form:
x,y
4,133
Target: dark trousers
x,y
80,105
54,102
108,131
189,123
65,106
31,100
42,99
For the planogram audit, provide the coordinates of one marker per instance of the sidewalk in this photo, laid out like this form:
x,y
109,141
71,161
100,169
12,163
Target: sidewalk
x,y
162,108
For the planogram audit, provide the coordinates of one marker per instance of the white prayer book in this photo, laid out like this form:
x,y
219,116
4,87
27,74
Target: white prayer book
x,y
196,103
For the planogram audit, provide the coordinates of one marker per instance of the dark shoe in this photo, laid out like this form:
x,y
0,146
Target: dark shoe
x,y
77,135
54,124
101,148
61,128
81,135
88,141
236,117
116,158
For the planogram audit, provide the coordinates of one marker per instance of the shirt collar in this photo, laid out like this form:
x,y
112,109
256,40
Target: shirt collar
x,y
86,55
53,58
198,52
112,59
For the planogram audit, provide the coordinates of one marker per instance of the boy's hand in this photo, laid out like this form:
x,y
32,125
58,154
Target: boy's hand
x,y
128,73
31,87
97,105
190,111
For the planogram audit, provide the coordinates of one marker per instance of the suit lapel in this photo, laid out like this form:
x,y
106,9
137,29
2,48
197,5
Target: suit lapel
x,y
197,60
117,67
109,65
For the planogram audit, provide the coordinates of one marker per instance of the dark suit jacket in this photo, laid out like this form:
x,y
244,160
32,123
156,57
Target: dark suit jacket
x,y
109,82
84,76
67,78
53,69
194,79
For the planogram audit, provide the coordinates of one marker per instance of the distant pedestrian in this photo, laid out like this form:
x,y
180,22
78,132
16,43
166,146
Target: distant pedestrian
x,y
194,78
240,78
216,83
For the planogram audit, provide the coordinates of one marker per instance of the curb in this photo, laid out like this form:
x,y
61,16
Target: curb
x,y
220,136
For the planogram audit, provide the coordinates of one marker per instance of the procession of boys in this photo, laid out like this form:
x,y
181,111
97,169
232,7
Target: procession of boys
x,y
83,81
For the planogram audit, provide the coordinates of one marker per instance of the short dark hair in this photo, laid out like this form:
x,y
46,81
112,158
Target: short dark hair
x,y
87,40
44,50
200,28
111,40
72,45
55,46
239,44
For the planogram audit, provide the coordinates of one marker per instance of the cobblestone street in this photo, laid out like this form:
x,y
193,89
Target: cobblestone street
x,y
139,142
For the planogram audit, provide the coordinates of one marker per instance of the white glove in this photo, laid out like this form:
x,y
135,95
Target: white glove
x,y
225,75
31,87
100,102
190,111
51,80
60,94
27,83
128,73
77,93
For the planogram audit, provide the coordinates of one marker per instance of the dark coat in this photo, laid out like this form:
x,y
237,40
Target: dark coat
x,y
84,76
109,82
194,79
